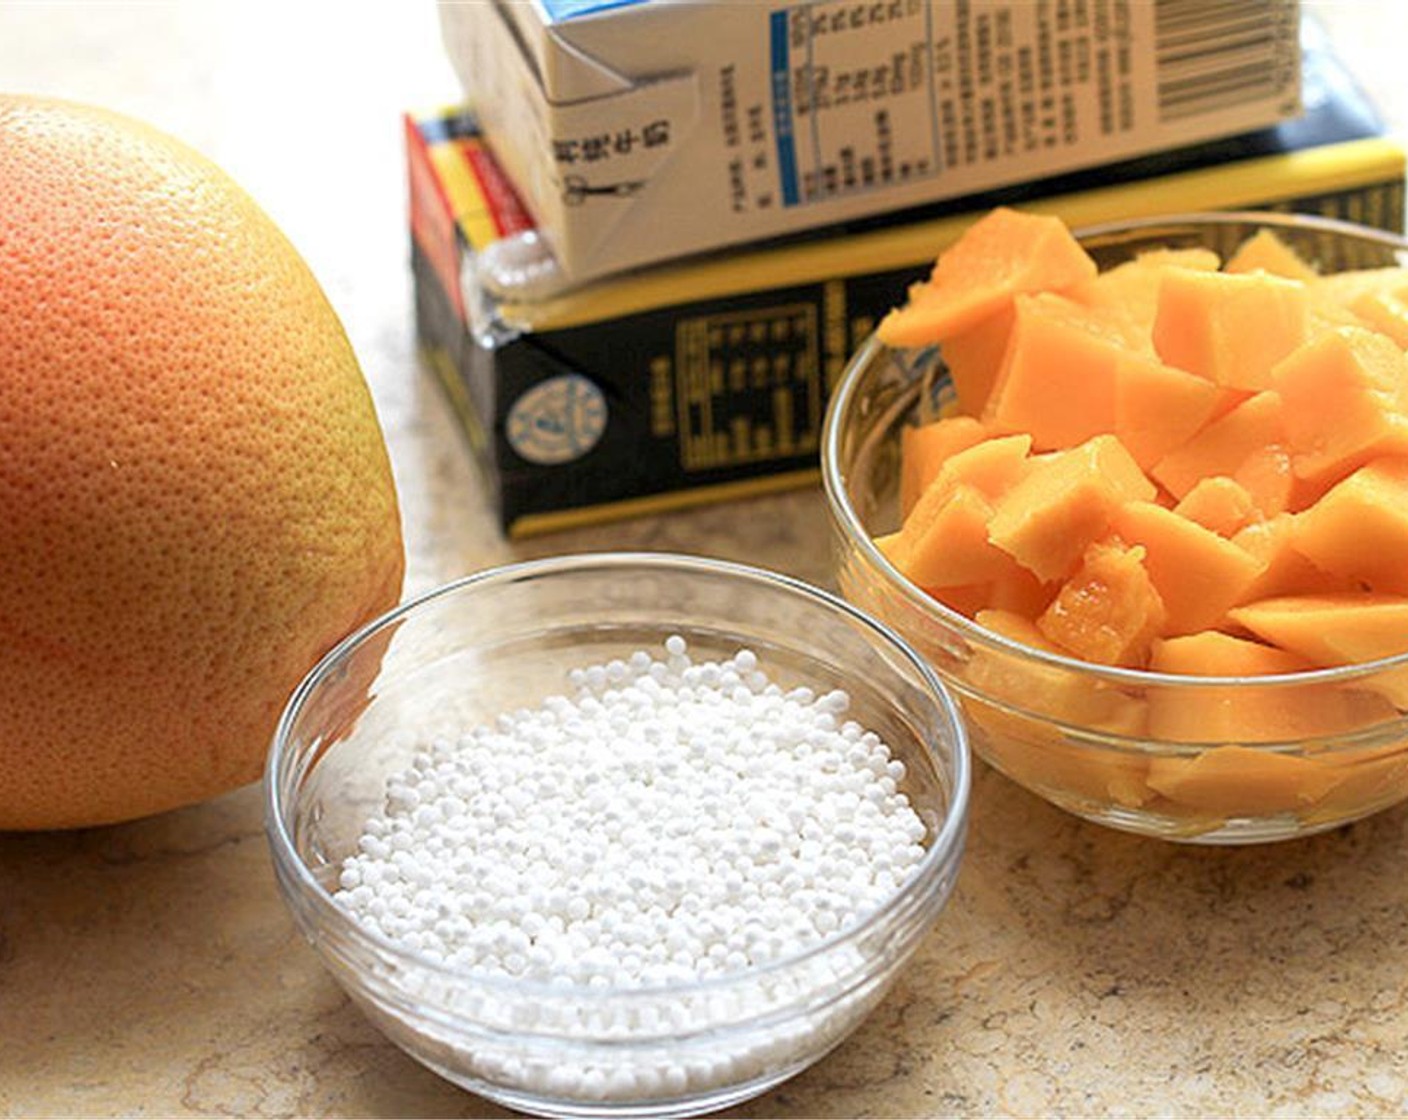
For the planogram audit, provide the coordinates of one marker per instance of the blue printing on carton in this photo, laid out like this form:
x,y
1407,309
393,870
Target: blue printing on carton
x,y
782,108
561,10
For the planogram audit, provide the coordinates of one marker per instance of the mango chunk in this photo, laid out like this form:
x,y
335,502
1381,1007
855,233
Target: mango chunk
x,y
1271,483
1369,780
1254,430
1032,748
990,466
1285,570
1004,253
1014,589
1359,529
966,598
1108,611
1198,574
1346,289
1230,328
1064,502
1131,290
1248,713
1053,692
1211,653
1238,781
1076,775
1265,251
1386,312
974,356
950,547
1070,373
1058,373
1345,400
924,448
1019,591
1343,628
1218,503
1158,408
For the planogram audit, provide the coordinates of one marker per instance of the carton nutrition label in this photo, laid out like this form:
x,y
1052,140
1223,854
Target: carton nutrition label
x,y
870,94
748,386
767,118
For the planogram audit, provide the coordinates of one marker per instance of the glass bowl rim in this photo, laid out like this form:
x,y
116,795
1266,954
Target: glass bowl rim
x,y
944,850
1281,219
843,512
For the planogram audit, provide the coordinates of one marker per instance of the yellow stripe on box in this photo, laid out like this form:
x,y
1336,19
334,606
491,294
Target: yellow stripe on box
x,y
553,521
1260,182
467,202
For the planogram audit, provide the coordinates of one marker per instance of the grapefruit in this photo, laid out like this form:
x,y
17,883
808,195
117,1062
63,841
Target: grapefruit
x,y
195,496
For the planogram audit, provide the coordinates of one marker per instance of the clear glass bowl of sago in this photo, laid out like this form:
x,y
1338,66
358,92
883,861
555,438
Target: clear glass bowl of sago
x,y
618,834
1273,703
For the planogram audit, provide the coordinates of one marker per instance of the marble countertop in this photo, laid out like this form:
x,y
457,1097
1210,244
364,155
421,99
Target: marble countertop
x,y
151,968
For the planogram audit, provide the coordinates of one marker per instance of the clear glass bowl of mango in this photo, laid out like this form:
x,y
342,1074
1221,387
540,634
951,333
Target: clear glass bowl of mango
x,y
1140,494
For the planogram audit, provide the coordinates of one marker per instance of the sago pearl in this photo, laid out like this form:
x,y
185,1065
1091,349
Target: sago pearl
x,y
664,822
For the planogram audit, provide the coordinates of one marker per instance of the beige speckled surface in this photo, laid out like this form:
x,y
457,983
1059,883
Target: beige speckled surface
x,y
150,969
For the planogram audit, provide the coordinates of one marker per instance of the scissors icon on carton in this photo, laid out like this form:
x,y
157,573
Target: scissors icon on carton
x,y
575,189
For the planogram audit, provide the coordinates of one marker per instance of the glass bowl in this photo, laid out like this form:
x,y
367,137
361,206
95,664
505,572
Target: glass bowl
x,y
1077,733
506,639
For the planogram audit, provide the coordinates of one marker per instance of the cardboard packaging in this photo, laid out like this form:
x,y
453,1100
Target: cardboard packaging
x,y
708,380
640,131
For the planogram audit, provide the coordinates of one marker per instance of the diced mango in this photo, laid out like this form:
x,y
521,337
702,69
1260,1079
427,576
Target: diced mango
x,y
1218,503
1108,611
1285,570
1386,312
1211,653
1020,728
1369,780
1004,253
1064,502
924,448
1225,446
1345,399
1230,328
1019,591
1049,691
1018,627
1248,712
1345,289
1077,776
1347,628
974,356
1158,408
1271,483
1359,529
1131,290
894,547
1070,373
1270,406
1265,251
950,547
1237,781
1197,573
943,542
1058,373
990,467
1197,257
1014,589
967,599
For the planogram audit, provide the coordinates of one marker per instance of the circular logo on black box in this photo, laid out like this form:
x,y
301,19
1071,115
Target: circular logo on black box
x,y
558,420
